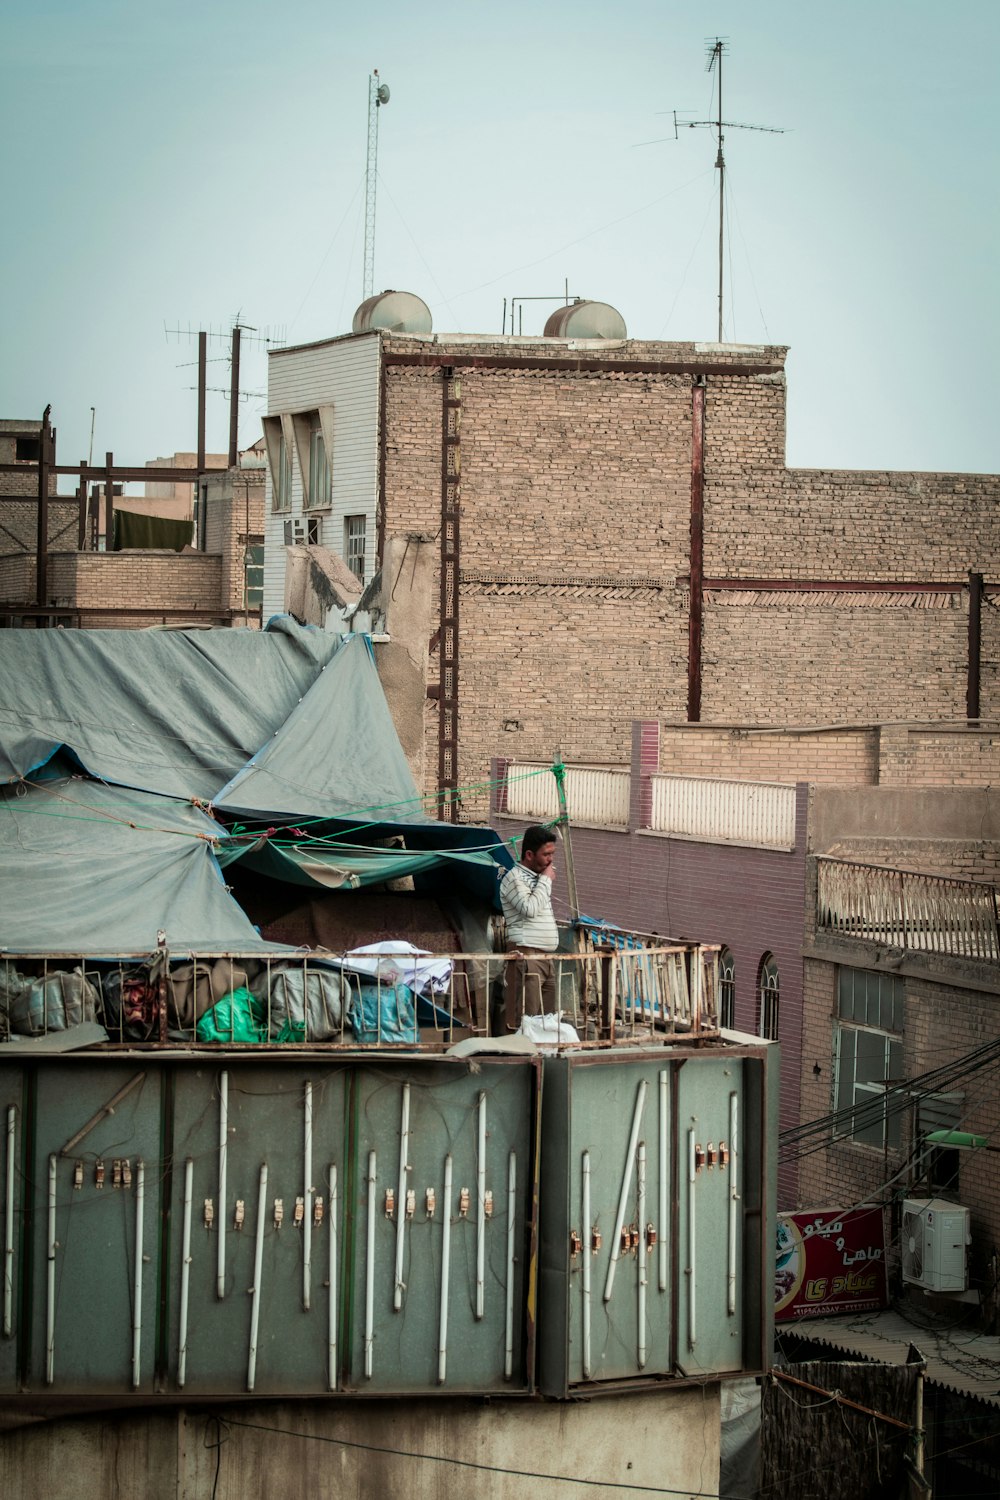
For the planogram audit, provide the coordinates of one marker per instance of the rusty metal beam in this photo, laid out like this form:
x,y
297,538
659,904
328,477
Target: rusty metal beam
x,y
975,644
696,580
448,622
830,585
109,503
234,400
46,457
98,471
202,381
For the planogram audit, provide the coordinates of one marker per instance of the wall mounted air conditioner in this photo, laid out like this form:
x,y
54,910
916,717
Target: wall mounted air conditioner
x,y
295,533
935,1236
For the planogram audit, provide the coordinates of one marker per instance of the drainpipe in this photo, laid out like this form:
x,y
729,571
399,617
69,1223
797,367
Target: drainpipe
x,y
697,572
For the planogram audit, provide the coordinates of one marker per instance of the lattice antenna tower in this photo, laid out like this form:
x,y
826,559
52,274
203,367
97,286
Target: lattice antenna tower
x,y
716,49
378,94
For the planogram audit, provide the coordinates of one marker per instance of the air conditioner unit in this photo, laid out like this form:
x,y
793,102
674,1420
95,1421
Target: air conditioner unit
x,y
295,533
935,1235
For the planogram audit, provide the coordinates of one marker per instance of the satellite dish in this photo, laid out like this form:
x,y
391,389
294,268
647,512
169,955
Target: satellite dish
x,y
383,93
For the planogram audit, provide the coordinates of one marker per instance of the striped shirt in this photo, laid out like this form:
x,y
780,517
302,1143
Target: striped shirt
x,y
526,899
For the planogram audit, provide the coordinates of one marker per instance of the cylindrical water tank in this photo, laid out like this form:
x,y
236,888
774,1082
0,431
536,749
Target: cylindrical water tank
x,y
586,320
396,312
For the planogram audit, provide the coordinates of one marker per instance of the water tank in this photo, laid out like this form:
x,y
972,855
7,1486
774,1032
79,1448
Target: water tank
x,y
586,320
396,312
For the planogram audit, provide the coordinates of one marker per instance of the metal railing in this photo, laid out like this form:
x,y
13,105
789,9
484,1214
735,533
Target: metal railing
x,y
612,987
595,795
908,910
744,812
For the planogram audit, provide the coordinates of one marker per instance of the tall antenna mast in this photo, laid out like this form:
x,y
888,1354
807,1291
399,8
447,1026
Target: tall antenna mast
x,y
378,94
716,48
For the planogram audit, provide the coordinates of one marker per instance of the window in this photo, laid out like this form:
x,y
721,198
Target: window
x,y
727,989
253,567
283,477
869,1054
767,998
320,491
27,450
354,544
279,459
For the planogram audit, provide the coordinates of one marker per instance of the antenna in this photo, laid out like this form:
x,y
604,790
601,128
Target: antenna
x,y
378,94
716,48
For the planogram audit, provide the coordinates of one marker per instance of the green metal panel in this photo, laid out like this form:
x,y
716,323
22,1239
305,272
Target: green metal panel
x,y
11,1218
605,1276
93,1194
710,1230
275,1117
476,1128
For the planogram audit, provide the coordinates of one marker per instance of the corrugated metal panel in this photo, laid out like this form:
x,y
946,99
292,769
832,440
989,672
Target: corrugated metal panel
x,y
345,376
761,813
595,796
970,1364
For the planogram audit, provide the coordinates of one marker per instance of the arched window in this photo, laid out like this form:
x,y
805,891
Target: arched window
x,y
767,998
727,989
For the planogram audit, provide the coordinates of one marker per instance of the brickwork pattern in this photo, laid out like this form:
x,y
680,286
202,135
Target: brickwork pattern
x,y
957,859
844,756
942,1024
772,522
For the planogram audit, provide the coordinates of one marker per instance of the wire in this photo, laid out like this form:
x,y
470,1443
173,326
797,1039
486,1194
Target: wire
x,y
466,1463
326,255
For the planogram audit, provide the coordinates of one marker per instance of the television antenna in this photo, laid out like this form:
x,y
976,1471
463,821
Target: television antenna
x,y
378,94
716,49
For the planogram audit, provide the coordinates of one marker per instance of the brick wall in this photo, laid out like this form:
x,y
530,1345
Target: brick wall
x,y
845,524
958,860
942,1023
122,589
575,551
745,754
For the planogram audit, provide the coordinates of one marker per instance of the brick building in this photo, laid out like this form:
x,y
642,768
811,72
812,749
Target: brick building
x,y
900,814
20,446
623,539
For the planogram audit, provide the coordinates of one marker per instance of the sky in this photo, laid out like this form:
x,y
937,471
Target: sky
x,y
178,165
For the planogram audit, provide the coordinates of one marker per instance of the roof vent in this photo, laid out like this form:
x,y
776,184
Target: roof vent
x,y
395,312
586,320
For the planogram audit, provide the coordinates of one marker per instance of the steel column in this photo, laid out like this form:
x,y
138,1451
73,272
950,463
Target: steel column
x,y
975,640
451,416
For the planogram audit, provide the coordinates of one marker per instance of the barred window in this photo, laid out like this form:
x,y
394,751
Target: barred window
x,y
768,998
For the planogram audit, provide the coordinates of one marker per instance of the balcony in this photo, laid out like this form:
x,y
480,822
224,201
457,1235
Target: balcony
x,y
903,909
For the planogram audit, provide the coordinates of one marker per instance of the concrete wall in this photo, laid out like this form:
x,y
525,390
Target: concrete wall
x,y
959,814
508,1450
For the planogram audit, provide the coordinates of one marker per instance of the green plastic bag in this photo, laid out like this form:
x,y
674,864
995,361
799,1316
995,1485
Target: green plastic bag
x,y
237,1017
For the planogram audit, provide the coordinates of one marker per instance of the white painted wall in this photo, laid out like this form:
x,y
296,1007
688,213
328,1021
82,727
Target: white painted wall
x,y
343,373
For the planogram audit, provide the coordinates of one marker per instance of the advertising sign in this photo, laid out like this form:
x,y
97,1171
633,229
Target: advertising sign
x,y
829,1263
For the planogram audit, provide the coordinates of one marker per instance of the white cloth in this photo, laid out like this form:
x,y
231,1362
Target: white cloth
x,y
398,961
526,899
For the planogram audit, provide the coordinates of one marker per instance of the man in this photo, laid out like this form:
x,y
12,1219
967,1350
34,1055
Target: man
x,y
526,898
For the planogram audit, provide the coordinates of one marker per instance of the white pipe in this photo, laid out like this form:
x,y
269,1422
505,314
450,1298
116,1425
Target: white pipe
x,y
370,1269
8,1239
481,1213
50,1284
640,1174
664,1101
508,1363
220,1265
692,1243
445,1273
258,1266
140,1196
404,1164
734,1195
616,1241
308,1195
185,1271
332,1273
586,1234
